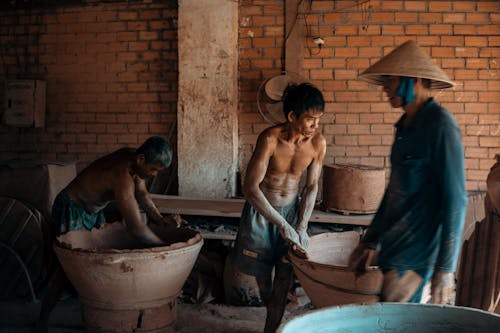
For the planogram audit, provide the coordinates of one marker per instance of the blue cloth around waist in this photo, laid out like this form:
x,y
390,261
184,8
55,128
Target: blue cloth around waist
x,y
259,245
68,216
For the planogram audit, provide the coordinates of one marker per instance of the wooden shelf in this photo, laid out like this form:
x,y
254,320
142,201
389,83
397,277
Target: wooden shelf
x,y
171,204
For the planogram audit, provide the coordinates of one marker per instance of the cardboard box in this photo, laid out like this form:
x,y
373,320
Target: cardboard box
x,y
36,183
24,103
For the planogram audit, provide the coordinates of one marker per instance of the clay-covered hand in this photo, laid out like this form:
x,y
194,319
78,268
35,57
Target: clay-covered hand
x,y
290,235
174,221
442,287
303,237
361,257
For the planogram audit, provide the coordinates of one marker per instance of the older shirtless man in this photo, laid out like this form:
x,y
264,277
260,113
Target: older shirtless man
x,y
274,215
119,176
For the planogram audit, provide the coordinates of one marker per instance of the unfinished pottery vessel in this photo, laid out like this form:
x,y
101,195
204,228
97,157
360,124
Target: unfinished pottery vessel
x,y
325,277
123,286
394,318
349,188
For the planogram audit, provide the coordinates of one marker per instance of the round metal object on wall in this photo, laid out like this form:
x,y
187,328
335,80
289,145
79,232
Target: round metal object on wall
x,y
350,188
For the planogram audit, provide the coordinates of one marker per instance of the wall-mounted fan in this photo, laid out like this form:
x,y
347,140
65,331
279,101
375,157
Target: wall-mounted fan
x,y
270,93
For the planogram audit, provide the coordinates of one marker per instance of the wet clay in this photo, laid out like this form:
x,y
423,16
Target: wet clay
x,y
123,286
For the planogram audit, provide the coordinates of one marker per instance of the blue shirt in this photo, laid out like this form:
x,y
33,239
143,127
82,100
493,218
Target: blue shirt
x,y
420,220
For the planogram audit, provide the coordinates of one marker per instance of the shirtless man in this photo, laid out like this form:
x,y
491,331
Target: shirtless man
x,y
275,216
119,176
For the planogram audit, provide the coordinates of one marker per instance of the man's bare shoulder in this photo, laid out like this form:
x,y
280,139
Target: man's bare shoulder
x,y
273,132
318,140
113,166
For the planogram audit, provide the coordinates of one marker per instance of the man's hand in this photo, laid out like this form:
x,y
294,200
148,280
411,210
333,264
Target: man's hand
x,y
442,287
173,221
303,237
361,257
290,235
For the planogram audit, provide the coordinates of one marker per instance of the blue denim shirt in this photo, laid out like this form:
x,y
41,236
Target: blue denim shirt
x,y
420,220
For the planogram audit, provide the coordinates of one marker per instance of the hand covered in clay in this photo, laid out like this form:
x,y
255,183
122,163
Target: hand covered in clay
x,y
442,287
174,221
361,257
290,235
303,237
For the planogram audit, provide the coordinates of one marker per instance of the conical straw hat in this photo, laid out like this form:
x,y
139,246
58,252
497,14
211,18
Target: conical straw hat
x,y
408,59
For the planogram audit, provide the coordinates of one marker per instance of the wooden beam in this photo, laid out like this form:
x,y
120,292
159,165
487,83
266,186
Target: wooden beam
x,y
171,204
294,34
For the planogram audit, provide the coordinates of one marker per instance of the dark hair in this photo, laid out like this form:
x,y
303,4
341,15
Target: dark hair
x,y
298,98
426,83
156,150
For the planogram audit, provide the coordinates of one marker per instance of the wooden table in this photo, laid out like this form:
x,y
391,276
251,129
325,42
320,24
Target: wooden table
x,y
171,204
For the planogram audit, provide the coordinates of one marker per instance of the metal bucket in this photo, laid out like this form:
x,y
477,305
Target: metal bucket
x,y
325,277
394,318
125,288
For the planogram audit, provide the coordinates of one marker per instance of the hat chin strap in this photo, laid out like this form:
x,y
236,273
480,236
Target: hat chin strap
x,y
406,90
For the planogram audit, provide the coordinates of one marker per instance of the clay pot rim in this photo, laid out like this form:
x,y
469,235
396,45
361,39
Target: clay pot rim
x,y
172,248
297,260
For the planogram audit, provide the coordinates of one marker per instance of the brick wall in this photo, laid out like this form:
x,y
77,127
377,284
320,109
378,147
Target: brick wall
x,y
462,36
112,69
111,72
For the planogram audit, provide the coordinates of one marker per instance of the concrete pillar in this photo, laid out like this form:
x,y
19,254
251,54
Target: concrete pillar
x,y
208,98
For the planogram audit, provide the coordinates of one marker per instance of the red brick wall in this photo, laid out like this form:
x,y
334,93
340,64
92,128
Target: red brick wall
x,y
111,72
462,36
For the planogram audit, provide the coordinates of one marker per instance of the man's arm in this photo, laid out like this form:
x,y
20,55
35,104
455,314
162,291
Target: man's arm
x,y
310,191
450,176
124,189
147,204
255,173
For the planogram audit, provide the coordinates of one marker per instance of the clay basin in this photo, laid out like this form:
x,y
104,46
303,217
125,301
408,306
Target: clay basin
x,y
325,277
394,318
124,287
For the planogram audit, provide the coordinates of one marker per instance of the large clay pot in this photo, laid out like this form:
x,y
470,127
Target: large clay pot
x,y
325,277
124,287
394,318
349,188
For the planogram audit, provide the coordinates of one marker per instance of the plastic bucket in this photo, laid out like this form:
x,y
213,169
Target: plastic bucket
x,y
394,318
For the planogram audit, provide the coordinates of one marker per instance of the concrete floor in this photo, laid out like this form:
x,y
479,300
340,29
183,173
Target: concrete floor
x,y
192,318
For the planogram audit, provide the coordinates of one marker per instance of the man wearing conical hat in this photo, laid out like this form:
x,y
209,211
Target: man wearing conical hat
x,y
418,226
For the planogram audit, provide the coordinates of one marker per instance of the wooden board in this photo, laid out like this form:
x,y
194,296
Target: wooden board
x,y
171,204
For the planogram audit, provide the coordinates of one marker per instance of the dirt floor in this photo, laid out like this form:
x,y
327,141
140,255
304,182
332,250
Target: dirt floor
x,y
192,318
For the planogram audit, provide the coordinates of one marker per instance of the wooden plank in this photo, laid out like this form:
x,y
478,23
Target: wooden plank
x,y
171,204
480,265
461,287
492,270
467,269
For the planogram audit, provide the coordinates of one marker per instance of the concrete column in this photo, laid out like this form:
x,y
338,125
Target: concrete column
x,y
208,98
